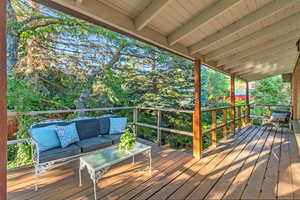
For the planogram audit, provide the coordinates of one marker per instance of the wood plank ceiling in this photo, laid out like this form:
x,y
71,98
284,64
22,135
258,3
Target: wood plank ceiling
x,y
252,39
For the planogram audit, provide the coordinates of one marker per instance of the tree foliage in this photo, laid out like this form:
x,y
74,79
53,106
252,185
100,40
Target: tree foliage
x,y
272,91
60,62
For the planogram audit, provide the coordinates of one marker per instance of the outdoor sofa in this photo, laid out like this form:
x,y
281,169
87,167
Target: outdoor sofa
x,y
56,142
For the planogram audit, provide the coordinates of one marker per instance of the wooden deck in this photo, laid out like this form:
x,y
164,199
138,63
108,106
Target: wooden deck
x,y
261,163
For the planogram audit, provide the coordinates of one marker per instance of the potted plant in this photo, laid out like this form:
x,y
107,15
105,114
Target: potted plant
x,y
127,140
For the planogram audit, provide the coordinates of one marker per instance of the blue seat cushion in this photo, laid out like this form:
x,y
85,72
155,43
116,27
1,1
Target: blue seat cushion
x,y
87,128
115,138
58,153
94,143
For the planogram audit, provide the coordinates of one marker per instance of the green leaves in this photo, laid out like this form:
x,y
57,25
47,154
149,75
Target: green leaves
x,y
272,91
127,140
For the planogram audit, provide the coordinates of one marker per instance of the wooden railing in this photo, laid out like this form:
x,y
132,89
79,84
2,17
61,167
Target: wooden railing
x,y
241,117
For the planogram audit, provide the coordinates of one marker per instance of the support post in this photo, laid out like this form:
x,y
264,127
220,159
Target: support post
x,y
247,103
232,97
197,138
225,123
296,91
158,127
135,120
295,87
214,126
3,107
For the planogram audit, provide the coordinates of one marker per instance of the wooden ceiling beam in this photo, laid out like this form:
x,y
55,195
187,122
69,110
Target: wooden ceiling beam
x,y
203,18
265,46
261,65
283,66
266,54
257,76
99,13
152,10
267,66
254,17
292,20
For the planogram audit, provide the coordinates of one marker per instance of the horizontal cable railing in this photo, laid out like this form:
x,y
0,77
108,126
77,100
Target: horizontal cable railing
x,y
260,110
242,117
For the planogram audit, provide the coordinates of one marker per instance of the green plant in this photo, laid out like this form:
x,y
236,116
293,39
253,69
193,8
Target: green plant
x,y
127,140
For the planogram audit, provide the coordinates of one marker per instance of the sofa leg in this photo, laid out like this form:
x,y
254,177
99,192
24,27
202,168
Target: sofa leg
x,y
37,179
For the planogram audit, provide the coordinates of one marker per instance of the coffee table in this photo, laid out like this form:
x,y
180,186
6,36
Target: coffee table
x,y
98,162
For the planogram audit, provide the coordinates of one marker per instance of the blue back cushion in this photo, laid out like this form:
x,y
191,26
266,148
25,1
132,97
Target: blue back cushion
x,y
88,128
45,137
105,123
67,134
117,125
49,122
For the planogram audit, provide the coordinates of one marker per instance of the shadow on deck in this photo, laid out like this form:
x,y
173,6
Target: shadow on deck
x,y
260,162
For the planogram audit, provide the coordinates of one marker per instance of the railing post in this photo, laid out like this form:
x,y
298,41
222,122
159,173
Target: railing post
x,y
214,127
239,118
197,128
225,123
247,103
158,127
248,114
135,120
232,97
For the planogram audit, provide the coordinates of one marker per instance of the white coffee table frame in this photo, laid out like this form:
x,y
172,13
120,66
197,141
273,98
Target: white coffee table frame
x,y
96,173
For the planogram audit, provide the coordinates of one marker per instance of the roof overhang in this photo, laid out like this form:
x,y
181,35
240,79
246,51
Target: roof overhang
x,y
251,39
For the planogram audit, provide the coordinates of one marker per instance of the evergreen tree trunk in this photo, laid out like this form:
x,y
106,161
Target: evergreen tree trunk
x,y
12,37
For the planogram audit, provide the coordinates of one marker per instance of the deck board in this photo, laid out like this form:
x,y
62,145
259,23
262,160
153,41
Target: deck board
x,y
269,185
259,163
285,185
254,183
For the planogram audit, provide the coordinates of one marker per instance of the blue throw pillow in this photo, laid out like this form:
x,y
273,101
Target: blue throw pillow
x,y
45,137
67,134
117,125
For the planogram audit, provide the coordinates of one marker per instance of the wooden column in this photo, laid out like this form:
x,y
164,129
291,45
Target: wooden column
x,y
295,99
247,93
232,97
3,108
197,138
247,103
296,91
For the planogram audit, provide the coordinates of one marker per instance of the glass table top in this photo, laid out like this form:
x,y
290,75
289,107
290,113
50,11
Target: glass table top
x,y
111,155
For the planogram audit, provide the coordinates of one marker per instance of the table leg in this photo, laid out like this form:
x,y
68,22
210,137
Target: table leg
x,y
133,161
150,160
81,166
95,189
80,184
